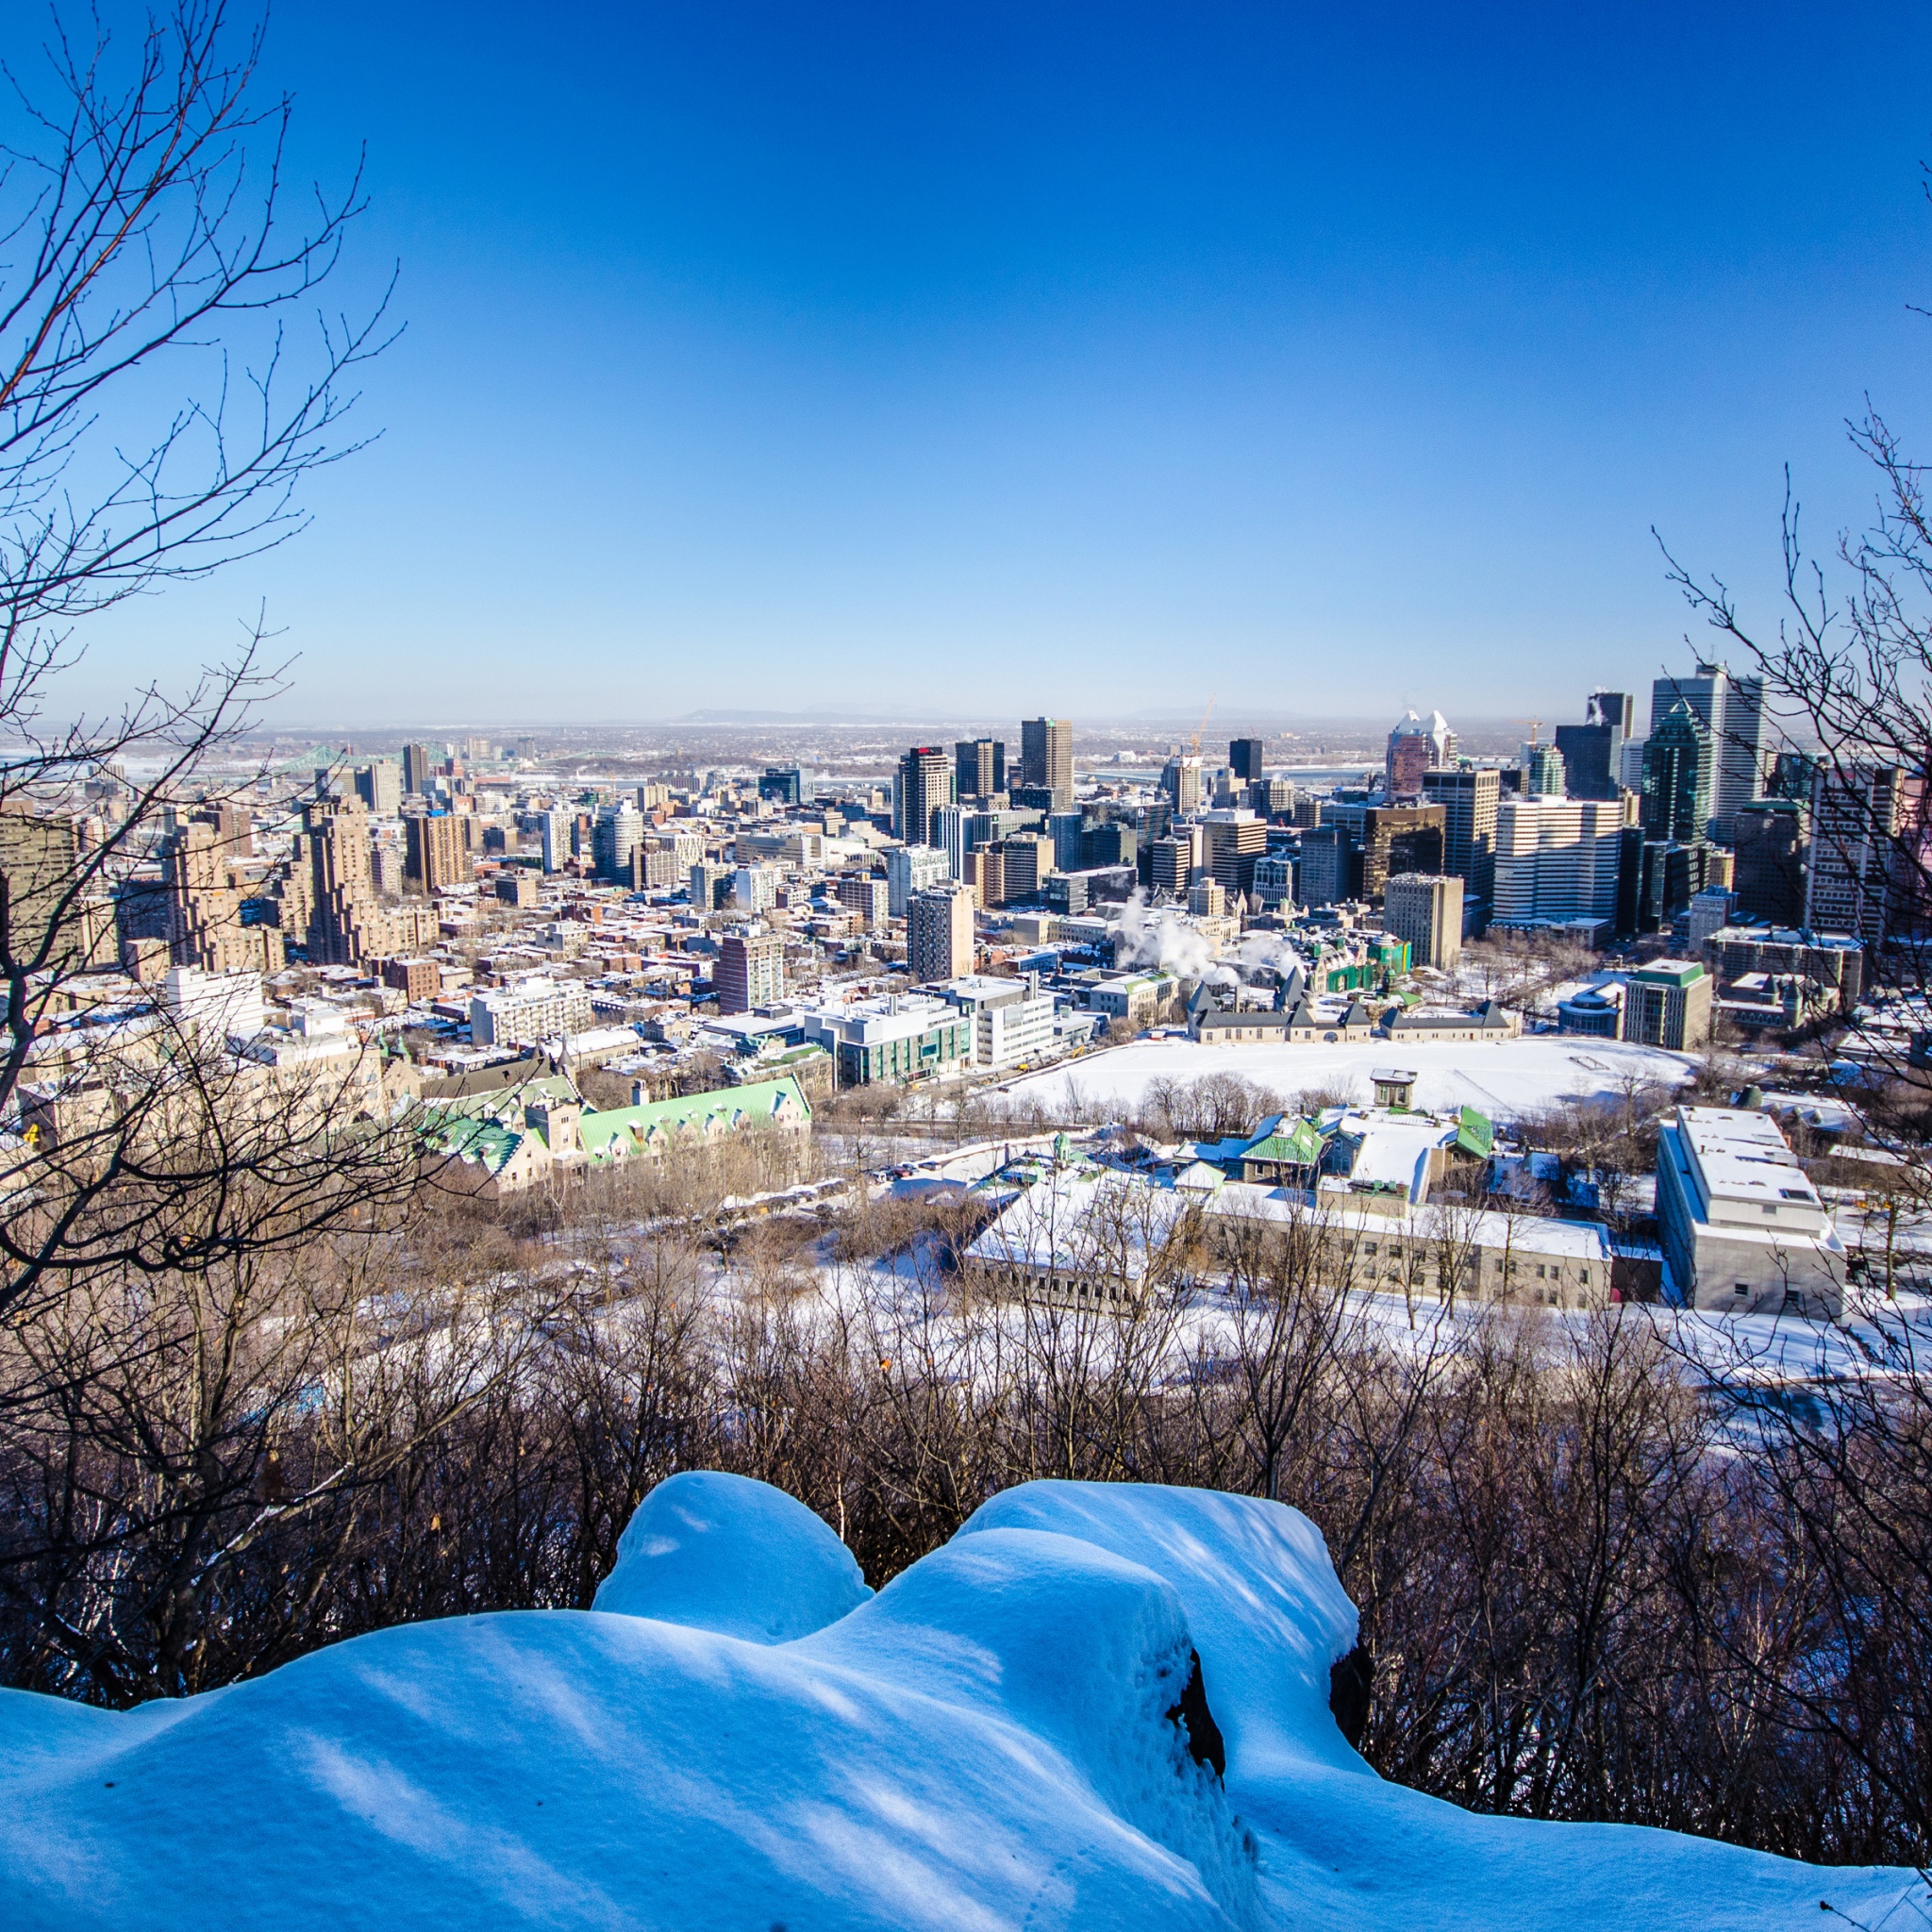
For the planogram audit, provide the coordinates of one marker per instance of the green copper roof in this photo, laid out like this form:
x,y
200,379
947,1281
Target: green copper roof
x,y
659,1123
1475,1135
465,1137
1301,1145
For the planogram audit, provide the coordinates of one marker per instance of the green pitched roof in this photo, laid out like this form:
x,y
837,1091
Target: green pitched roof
x,y
466,1137
1475,1135
658,1122
1301,1145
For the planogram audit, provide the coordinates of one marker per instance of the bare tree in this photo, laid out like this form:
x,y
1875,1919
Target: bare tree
x,y
150,251
1847,673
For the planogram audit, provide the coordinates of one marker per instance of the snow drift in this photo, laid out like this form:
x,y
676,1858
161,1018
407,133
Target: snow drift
x,y
1098,1706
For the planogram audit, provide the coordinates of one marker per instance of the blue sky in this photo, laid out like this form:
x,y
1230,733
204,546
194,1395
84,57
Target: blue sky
x,y
891,357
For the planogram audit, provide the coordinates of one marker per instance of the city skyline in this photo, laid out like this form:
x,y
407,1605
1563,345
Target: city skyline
x,y
1369,367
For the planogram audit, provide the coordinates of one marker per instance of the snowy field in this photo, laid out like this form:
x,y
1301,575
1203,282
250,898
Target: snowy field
x,y
1097,1708
1504,1080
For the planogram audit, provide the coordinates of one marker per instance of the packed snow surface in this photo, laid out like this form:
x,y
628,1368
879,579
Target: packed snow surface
x,y
721,1552
1012,1734
1502,1079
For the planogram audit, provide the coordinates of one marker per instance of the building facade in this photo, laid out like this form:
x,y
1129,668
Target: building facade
x,y
921,784
938,933
1667,1003
750,971
1744,1231
912,869
1046,758
1426,908
1556,860
1469,800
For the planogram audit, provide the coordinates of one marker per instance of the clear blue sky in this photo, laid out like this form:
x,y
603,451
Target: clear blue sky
x,y
898,355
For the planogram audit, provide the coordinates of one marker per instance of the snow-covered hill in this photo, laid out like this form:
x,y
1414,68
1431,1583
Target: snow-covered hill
x,y
1012,1734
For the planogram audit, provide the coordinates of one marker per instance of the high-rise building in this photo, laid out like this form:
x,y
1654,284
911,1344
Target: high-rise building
x,y
1235,840
750,971
1416,745
418,763
1275,881
938,933
1668,1003
379,785
865,897
553,827
616,837
1108,843
1658,879
1861,870
1679,764
205,928
433,853
1180,778
1591,760
1593,751
347,923
1172,861
1557,860
1426,908
782,785
710,884
1014,867
755,888
1046,757
1543,772
1469,799
1398,839
979,767
922,783
1067,831
912,869
1731,709
1325,865
1768,868
1244,760
952,833
1614,711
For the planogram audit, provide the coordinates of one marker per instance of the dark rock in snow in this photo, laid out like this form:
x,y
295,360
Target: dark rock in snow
x,y
1204,1744
1349,1677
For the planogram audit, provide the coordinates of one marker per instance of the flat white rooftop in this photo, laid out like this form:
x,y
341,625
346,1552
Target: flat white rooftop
x,y
1742,1160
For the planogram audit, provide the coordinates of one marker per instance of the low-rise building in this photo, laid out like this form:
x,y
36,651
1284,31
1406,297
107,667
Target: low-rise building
x,y
1012,1020
899,1038
1474,1025
1215,1026
500,1143
1594,1012
1132,997
530,1012
1744,1231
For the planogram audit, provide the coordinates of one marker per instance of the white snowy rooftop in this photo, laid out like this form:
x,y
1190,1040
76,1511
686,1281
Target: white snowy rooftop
x,y
1744,1172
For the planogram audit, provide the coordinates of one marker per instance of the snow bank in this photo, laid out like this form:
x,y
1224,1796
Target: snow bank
x,y
1262,1599
723,1552
1013,1733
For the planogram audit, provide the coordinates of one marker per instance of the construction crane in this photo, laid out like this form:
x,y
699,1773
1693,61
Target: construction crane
x,y
1535,724
1202,724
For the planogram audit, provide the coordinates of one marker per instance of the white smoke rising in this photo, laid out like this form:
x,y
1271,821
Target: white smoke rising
x,y
1160,938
